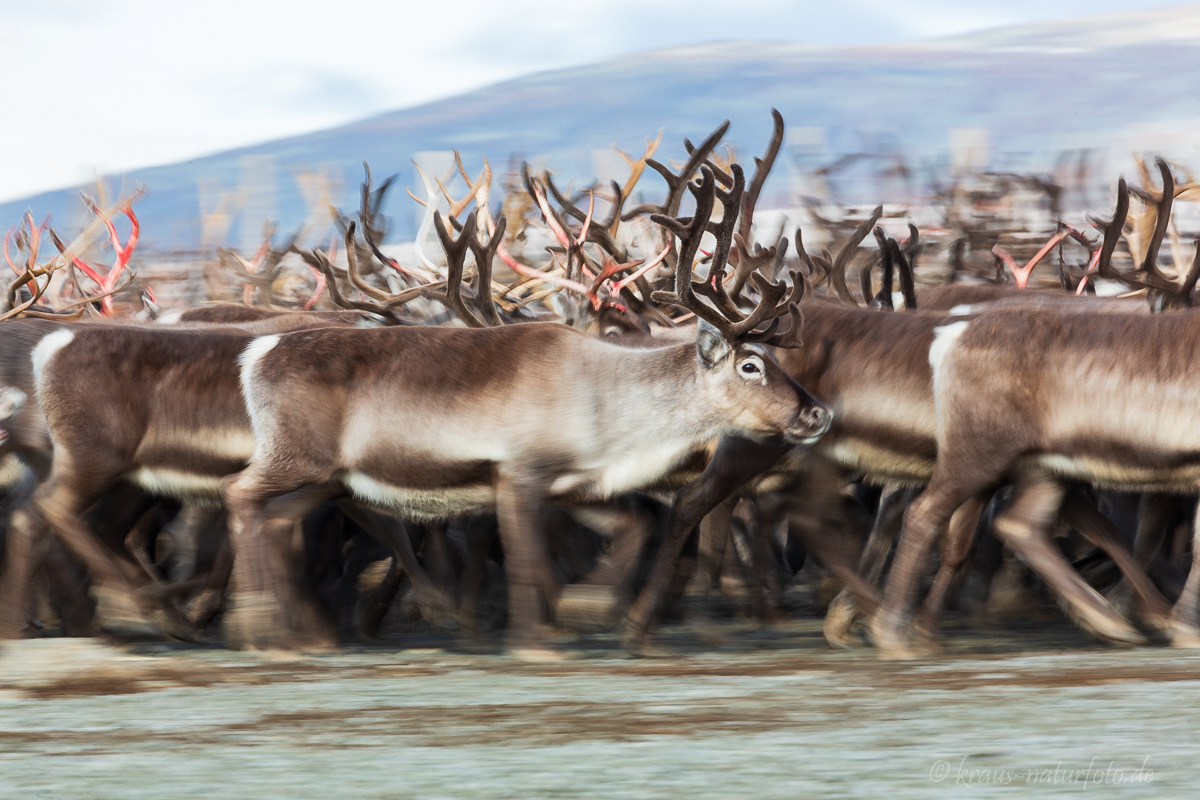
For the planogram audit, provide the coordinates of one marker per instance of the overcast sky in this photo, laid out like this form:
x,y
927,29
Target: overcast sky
x,y
99,86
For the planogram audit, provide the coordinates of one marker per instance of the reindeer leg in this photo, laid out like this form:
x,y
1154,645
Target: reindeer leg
x,y
440,562
24,548
735,462
842,612
925,519
1037,497
715,532
374,604
310,627
395,536
1154,510
479,538
211,596
187,531
262,575
67,583
60,502
518,502
768,529
608,587
1097,529
955,549
1185,617
139,542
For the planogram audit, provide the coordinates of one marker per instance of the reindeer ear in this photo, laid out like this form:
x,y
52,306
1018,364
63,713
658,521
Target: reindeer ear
x,y
710,346
566,310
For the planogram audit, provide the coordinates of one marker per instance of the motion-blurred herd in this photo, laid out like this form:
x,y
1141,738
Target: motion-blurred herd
x,y
582,411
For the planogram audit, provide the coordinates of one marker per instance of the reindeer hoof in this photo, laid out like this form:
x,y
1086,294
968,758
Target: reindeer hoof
x,y
1121,598
637,644
651,650
891,639
839,625
174,625
1118,633
318,645
1158,623
254,622
924,644
531,653
1183,635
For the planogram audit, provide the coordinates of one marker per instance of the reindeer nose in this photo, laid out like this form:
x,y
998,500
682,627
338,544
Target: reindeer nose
x,y
816,418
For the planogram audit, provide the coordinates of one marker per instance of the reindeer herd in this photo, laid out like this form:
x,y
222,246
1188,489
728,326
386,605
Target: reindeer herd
x,y
627,425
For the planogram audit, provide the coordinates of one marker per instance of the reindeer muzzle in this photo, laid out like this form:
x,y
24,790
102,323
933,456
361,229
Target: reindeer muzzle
x,y
811,424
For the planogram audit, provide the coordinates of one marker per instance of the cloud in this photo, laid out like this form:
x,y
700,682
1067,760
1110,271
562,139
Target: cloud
x,y
307,91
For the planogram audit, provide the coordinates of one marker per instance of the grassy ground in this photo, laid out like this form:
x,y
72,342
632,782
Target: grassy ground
x,y
760,713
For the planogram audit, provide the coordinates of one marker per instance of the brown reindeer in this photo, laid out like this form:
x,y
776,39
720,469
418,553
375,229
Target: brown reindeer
x,y
873,369
404,420
1097,398
169,431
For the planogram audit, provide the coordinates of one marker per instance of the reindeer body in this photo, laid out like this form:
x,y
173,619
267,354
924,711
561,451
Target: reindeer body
x,y
1110,400
427,422
873,370
433,422
1038,397
540,398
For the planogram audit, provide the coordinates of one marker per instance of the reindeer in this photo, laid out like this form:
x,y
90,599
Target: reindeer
x,y
436,453
1104,399
1039,491
160,368
874,371
28,435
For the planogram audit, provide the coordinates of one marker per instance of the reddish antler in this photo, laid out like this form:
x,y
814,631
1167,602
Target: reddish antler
x,y
106,282
1021,274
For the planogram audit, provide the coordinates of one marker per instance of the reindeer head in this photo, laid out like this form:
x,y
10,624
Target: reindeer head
x,y
735,368
747,383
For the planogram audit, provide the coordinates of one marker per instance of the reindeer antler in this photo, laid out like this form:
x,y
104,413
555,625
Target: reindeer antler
x,y
676,184
732,324
107,282
456,254
834,269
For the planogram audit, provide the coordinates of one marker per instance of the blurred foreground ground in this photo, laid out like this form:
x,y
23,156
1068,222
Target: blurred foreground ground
x,y
768,713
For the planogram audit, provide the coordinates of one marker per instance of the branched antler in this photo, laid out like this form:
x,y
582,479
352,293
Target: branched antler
x,y
906,261
322,262
1021,274
1166,291
106,282
29,242
731,201
834,269
774,298
887,261
762,167
456,254
259,273
602,232
677,184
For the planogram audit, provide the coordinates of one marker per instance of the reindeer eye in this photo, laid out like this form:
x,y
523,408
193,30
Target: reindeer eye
x,y
612,332
750,368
